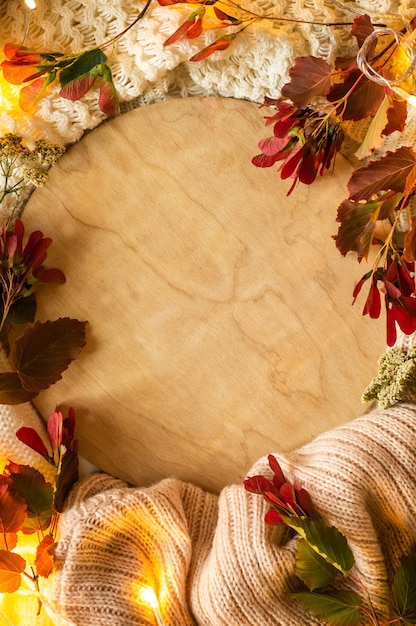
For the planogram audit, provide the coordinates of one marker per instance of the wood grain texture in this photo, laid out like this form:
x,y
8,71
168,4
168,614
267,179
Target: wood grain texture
x,y
220,317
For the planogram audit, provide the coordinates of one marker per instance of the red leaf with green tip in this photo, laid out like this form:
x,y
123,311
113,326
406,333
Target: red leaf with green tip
x,y
77,88
108,99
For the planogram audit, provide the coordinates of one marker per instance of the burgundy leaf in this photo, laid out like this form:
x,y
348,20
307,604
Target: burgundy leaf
x,y
361,29
363,96
278,476
390,172
310,77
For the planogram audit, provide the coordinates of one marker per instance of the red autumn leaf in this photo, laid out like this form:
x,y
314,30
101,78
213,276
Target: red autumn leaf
x,y
30,437
396,116
44,556
357,227
51,276
372,305
220,44
264,160
12,390
278,476
409,252
195,29
304,500
363,96
18,53
258,484
272,517
287,494
405,321
310,77
390,172
11,567
362,28
45,350
274,145
180,32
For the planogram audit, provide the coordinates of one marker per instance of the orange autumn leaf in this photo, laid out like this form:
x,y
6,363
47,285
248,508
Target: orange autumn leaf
x,y
44,556
220,44
11,567
409,253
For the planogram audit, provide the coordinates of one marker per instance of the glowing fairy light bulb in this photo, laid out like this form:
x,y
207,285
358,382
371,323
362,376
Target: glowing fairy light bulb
x,y
31,4
148,596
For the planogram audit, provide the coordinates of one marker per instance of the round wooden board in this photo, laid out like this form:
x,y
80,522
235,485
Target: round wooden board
x,y
220,317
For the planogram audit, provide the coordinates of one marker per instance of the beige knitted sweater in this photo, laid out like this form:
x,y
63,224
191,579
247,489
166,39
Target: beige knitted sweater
x,y
212,560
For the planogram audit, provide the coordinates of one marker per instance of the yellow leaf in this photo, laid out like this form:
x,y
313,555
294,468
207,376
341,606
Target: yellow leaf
x,y
373,139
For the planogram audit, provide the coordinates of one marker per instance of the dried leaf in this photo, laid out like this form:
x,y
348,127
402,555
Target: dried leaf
x,y
13,510
11,567
373,138
362,28
358,222
357,97
409,252
66,479
396,116
310,77
12,391
390,172
45,350
44,556
35,492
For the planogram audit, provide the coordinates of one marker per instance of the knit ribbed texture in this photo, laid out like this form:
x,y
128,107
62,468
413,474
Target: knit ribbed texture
x,y
213,561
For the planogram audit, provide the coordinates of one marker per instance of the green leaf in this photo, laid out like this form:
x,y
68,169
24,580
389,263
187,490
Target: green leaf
x,y
404,590
312,568
36,492
12,391
45,350
327,541
341,608
82,66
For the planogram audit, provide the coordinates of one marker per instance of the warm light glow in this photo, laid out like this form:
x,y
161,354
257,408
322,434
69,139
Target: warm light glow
x,y
410,99
148,596
31,4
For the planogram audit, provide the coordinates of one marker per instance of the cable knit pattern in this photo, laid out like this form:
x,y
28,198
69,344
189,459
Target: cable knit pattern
x,y
213,561
145,71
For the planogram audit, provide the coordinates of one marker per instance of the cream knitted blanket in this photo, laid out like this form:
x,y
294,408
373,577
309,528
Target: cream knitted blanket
x,y
212,560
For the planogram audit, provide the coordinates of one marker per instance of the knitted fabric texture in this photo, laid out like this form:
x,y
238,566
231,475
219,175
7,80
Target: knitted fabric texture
x,y
213,561
144,71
